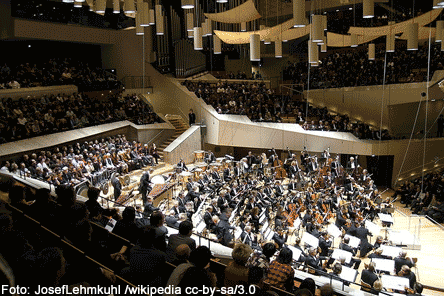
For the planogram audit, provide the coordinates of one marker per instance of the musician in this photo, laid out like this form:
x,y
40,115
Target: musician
x,y
248,238
401,261
369,275
335,167
145,184
222,201
209,157
208,219
313,260
254,219
294,169
227,174
149,207
181,166
304,157
216,210
417,290
292,185
279,189
407,273
238,170
224,228
325,244
312,166
297,245
352,165
280,238
365,177
355,262
377,254
250,159
117,186
361,232
182,201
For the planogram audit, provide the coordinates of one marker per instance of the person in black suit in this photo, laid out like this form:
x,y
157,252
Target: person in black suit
x,y
344,246
208,219
369,275
117,187
361,232
145,184
324,244
313,261
248,238
402,260
407,273
149,207
191,117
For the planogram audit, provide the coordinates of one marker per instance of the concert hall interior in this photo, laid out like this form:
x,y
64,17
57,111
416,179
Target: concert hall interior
x,y
294,147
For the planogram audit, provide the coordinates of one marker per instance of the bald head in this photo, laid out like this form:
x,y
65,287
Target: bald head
x,y
183,251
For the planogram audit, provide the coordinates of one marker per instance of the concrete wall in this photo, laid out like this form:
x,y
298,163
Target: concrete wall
x,y
183,146
367,103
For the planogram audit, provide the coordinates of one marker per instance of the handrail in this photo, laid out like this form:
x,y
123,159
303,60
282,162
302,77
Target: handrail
x,y
155,137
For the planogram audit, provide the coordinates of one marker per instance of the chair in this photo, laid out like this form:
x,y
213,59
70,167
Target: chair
x,y
365,287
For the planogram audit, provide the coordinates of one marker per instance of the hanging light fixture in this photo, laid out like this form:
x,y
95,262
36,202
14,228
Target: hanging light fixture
x,y
243,27
91,7
187,4
68,1
436,4
371,51
129,6
152,17
255,47
354,40
145,15
368,9
221,1
412,36
198,38
313,53
217,45
324,45
299,13
324,22
190,34
267,41
159,20
100,6
439,29
77,4
116,6
390,40
190,22
317,31
139,29
278,48
209,28
440,3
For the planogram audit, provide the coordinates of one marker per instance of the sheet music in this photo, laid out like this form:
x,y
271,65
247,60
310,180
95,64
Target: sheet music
x,y
384,264
385,218
296,253
354,241
337,253
394,282
200,227
264,227
372,227
297,223
262,218
334,231
348,274
310,240
233,214
237,232
270,235
403,237
390,251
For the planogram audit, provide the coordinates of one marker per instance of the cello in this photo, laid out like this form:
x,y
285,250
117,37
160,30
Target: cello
x,y
277,164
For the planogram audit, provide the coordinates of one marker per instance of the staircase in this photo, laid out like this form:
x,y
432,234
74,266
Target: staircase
x,y
180,125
